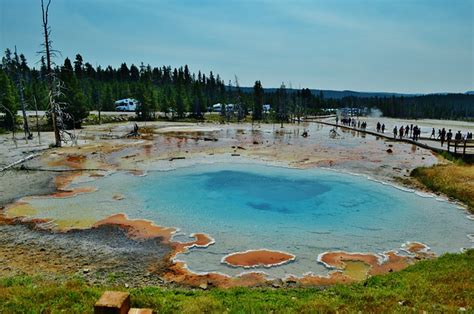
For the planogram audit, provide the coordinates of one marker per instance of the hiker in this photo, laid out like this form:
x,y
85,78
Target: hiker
x,y
439,133
337,119
458,136
395,130
407,129
443,136
378,126
383,128
469,136
401,132
433,133
449,135
411,129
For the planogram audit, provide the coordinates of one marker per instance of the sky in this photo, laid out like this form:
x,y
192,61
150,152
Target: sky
x,y
408,46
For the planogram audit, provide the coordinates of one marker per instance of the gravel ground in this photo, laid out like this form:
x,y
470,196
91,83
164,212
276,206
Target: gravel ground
x,y
99,255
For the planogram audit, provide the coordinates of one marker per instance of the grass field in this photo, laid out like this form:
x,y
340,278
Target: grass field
x,y
445,284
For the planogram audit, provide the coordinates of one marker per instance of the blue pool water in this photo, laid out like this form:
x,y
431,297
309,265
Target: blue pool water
x,y
249,206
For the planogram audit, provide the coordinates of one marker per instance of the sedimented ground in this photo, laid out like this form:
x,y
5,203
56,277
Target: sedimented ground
x,y
110,251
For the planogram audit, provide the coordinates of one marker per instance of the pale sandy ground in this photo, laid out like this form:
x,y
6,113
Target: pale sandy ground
x,y
160,141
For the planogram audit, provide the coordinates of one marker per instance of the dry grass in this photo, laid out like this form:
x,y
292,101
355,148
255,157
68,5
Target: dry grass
x,y
456,180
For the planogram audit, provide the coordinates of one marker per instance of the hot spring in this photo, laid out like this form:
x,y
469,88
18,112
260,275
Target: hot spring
x,y
251,206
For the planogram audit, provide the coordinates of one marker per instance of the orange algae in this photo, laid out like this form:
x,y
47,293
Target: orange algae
x,y
255,258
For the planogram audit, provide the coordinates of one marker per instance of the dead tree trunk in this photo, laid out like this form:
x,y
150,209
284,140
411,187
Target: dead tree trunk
x,y
26,129
47,51
37,121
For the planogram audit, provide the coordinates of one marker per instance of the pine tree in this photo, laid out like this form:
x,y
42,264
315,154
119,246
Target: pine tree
x,y
8,100
73,98
258,101
180,108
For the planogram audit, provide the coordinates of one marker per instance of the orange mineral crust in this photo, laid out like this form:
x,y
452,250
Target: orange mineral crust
x,y
336,259
386,262
334,277
256,258
138,228
180,274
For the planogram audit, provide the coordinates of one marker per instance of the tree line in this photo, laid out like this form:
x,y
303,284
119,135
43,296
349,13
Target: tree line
x,y
181,93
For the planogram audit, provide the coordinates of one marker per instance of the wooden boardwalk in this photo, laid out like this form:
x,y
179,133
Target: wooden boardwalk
x,y
463,149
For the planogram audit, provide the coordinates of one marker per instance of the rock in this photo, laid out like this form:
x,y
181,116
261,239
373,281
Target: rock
x,y
127,285
290,283
86,270
203,286
113,302
277,283
389,151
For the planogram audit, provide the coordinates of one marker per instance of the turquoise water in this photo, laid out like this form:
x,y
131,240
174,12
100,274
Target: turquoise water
x,y
249,206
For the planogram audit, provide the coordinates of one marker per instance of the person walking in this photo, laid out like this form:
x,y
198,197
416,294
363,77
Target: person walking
x,y
401,132
395,131
433,133
443,136
449,135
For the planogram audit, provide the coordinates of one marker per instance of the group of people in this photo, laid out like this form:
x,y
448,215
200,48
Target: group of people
x,y
352,122
414,133
444,136
380,127
408,131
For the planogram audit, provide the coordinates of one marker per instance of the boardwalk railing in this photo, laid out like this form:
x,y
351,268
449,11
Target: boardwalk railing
x,y
462,147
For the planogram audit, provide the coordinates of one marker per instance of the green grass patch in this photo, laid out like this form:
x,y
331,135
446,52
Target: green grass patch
x,y
445,284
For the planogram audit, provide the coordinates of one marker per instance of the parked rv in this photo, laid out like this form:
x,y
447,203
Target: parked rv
x,y
217,107
127,104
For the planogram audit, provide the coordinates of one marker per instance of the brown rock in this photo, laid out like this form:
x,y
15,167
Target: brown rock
x,y
113,302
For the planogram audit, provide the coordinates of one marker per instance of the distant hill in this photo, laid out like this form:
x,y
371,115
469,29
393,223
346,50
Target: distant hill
x,y
334,94
471,92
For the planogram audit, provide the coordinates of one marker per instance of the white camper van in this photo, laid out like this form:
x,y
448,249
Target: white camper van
x,y
127,104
